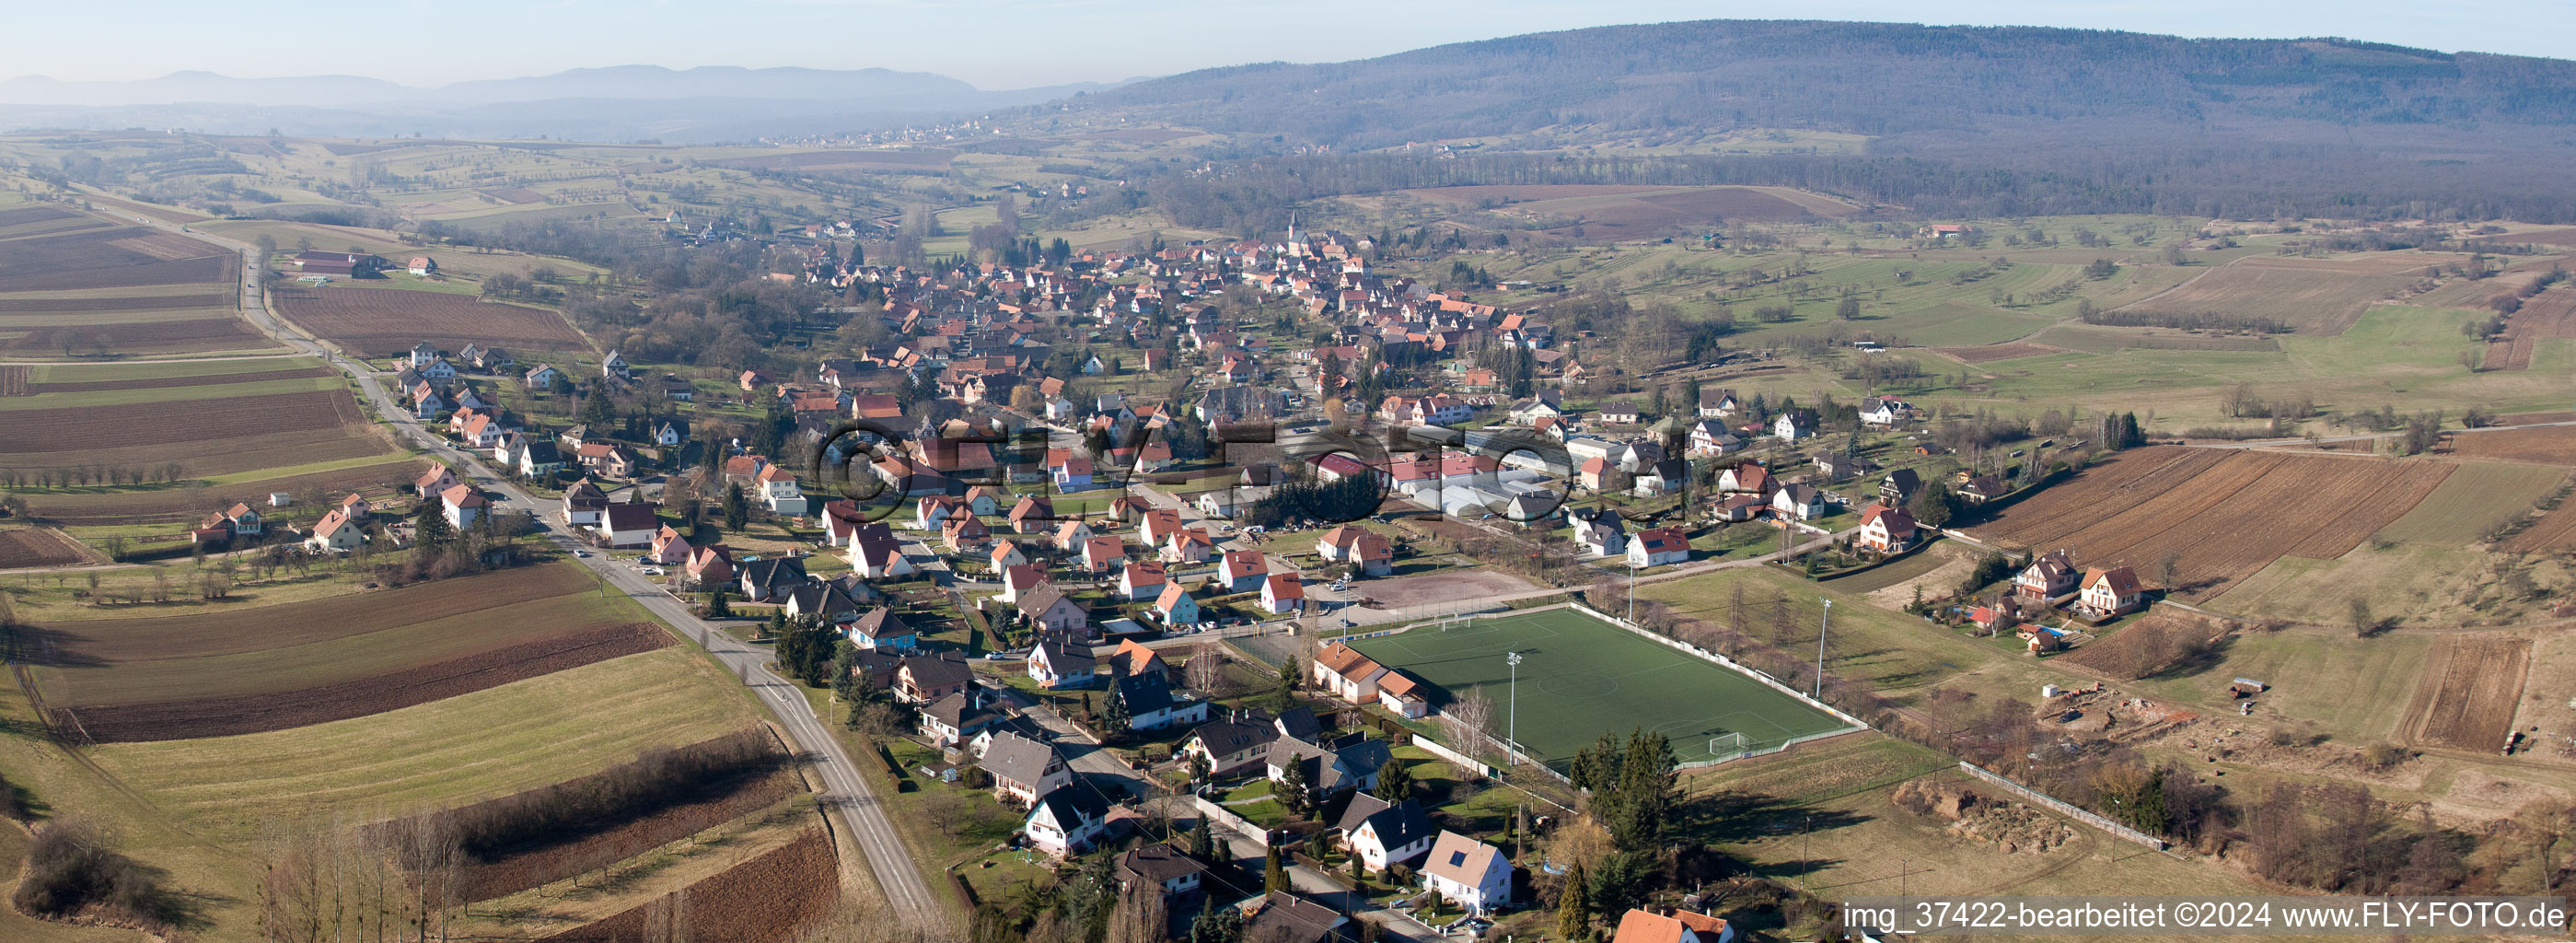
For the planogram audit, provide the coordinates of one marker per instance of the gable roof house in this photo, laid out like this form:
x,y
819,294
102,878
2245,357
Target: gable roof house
x,y
1153,705
463,505
1056,663
1067,821
1243,570
1348,674
925,679
1350,763
1232,744
628,526
1886,529
1657,547
1141,580
1162,863
1024,769
711,565
1175,606
769,579
1982,489
1801,502
955,717
1679,926
1384,834
2110,592
1605,534
2048,576
1899,486
1467,872
823,601
1794,424
880,628
1717,404
1284,917
1283,593
336,531
879,558
1048,610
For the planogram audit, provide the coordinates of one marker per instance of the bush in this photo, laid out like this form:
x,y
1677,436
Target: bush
x,y
70,869
2384,755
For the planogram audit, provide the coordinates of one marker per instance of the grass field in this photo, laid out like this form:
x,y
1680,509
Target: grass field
x,y
2474,500
1589,677
2353,689
463,749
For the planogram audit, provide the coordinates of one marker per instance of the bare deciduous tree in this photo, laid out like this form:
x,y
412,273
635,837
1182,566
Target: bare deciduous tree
x,y
1470,720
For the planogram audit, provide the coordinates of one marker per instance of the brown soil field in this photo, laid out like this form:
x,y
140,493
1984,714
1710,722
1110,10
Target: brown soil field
x,y
13,380
1989,352
2139,649
515,195
378,322
2227,513
763,900
519,872
41,546
33,214
2529,419
115,506
208,457
109,258
141,303
155,383
2548,315
2554,237
2551,445
2477,684
165,638
2555,530
2312,297
203,334
1143,135
80,428
254,713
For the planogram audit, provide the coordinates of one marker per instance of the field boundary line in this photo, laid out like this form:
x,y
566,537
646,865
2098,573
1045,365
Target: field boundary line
x,y
2054,804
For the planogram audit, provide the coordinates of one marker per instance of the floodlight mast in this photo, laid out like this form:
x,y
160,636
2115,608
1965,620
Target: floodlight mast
x,y
1513,711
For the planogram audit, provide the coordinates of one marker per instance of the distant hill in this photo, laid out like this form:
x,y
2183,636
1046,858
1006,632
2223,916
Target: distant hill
x,y
1869,78
709,103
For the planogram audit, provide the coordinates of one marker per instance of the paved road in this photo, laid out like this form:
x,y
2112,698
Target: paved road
x,y
849,795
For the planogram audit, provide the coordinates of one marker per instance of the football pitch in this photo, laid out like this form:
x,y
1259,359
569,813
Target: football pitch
x,y
1581,677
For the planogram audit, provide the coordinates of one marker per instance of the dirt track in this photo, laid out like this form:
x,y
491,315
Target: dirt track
x,y
219,717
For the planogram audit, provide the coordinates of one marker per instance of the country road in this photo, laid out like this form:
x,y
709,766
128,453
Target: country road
x,y
849,795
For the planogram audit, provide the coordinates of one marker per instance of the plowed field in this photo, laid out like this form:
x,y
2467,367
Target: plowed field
x,y
520,872
139,337
41,546
2472,685
376,322
252,713
230,632
207,435
762,900
143,303
109,258
2225,512
2555,530
2548,445
2548,315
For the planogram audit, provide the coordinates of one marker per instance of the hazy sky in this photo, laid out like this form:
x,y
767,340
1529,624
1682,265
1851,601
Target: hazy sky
x,y
1000,44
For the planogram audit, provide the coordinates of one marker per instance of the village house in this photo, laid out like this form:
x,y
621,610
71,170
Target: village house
x,y
1678,926
878,559
1141,581
668,548
1404,694
1024,769
1048,610
1175,607
1717,404
1067,822
1380,833
1130,659
1347,763
1801,502
1794,424
924,679
1882,411
1153,705
1982,489
711,565
955,718
1282,593
2110,592
1469,873
627,526
336,532
1747,478
2049,575
1899,487
463,506
1164,865
1603,535
769,579
1366,550
1243,571
1347,674
1885,529
1103,554
1657,547
1056,664
881,629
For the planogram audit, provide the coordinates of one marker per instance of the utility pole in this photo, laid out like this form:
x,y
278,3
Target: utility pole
x,y
1822,623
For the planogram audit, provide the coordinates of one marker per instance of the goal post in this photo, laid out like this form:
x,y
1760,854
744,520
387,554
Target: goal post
x,y
1726,746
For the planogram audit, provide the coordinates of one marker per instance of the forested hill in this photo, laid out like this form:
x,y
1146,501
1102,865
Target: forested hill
x,y
1869,78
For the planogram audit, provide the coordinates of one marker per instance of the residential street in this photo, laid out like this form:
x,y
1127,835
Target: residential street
x,y
850,796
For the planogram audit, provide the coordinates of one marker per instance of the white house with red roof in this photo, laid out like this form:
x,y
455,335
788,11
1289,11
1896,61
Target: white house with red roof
x,y
1021,579
463,505
1283,593
1885,529
1243,570
1191,545
1141,580
1103,554
1348,674
2109,592
1657,547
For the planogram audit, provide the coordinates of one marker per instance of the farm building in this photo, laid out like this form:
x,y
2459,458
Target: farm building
x,y
351,264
